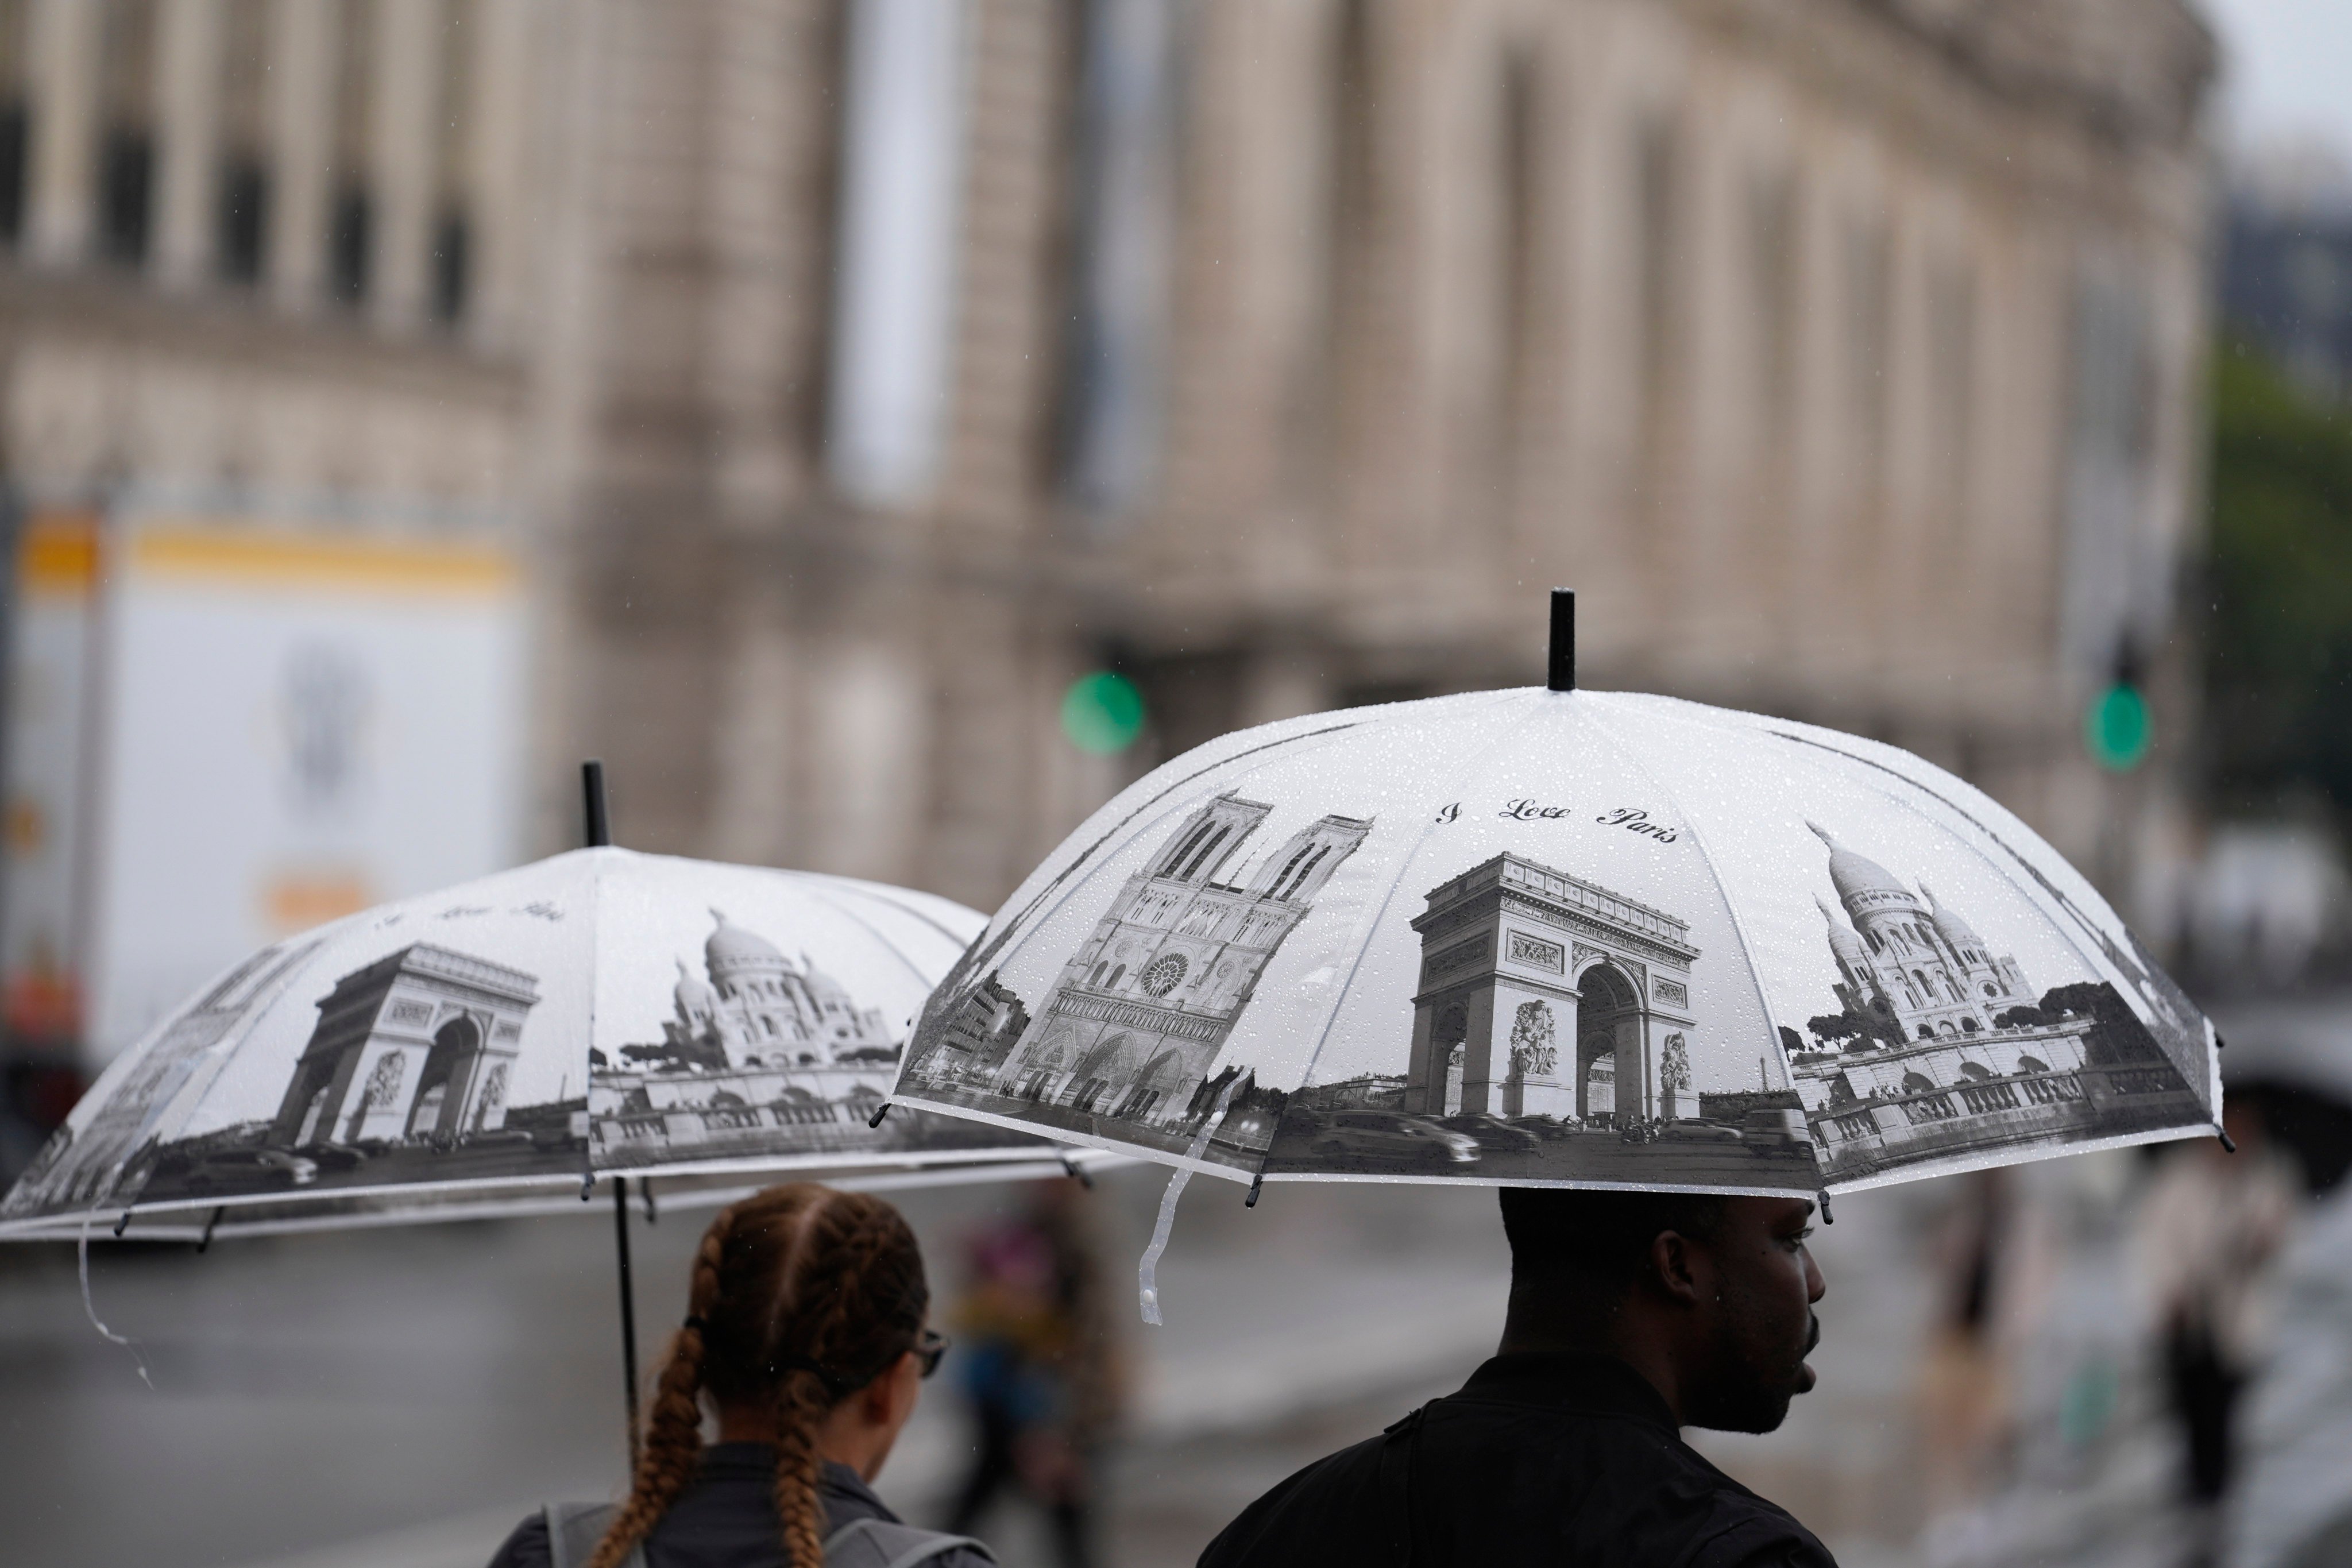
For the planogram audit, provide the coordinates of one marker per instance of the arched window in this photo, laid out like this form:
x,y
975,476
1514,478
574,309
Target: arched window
x,y
1304,871
1926,1033
1168,867
1204,851
1115,976
1274,889
1096,979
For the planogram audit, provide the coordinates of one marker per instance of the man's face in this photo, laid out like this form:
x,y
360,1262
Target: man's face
x,y
1759,1325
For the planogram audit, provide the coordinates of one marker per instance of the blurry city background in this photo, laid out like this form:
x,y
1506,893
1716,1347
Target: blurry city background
x,y
880,429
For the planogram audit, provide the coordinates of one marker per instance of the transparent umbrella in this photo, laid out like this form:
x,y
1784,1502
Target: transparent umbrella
x,y
1558,937
502,1046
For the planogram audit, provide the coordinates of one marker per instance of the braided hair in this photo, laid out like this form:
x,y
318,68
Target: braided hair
x,y
801,1295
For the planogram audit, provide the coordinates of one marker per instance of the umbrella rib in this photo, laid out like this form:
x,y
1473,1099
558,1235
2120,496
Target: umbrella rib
x,y
880,893
1731,909
816,882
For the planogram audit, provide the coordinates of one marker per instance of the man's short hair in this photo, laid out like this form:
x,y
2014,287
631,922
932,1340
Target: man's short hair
x,y
1596,1240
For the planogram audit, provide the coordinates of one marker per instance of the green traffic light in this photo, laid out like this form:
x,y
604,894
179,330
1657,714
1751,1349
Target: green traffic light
x,y
1102,713
2119,730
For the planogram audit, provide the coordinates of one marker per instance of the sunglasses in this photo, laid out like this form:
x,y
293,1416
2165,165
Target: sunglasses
x,y
932,1347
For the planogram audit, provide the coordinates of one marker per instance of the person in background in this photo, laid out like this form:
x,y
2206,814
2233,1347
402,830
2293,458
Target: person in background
x,y
1041,1366
2209,1229
1632,1316
1989,1256
805,1338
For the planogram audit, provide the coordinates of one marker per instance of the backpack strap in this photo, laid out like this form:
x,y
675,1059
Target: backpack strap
x,y
880,1544
1397,1454
573,1529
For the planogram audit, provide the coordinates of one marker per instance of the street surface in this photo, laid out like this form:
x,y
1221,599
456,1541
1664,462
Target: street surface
x,y
398,1398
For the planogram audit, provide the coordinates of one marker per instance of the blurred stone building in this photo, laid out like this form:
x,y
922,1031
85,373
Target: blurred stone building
x,y
856,374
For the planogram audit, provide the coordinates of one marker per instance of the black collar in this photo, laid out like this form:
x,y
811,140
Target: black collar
x,y
1577,1381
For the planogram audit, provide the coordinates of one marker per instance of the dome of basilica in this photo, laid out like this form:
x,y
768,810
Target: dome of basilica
x,y
1858,876
730,947
1955,930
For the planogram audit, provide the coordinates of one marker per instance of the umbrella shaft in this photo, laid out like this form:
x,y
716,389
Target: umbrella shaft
x,y
628,1310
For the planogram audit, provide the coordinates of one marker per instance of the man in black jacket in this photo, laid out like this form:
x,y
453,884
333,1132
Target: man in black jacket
x,y
1631,1315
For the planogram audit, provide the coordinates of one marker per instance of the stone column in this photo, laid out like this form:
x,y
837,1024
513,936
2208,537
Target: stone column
x,y
301,88
1480,1083
188,85
63,39
400,157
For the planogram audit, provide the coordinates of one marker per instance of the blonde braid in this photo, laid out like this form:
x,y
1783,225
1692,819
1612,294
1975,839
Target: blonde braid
x,y
672,1449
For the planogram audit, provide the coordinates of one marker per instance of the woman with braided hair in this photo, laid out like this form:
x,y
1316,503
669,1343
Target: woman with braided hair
x,y
805,1341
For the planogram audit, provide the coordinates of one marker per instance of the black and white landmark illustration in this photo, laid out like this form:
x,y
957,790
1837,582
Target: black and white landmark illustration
x,y
1133,1025
95,1164
760,1053
418,1044
1545,994
1942,1046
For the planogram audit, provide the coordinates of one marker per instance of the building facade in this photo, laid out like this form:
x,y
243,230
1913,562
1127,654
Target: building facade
x,y
757,1006
1150,998
854,375
1944,1045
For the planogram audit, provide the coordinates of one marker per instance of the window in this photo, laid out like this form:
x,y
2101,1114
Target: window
x,y
242,240
241,221
1177,859
126,183
901,188
1519,208
348,225
1205,851
15,120
449,272
1657,192
1125,197
126,157
450,243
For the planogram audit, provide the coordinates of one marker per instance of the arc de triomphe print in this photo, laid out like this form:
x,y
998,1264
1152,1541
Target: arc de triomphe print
x,y
1531,978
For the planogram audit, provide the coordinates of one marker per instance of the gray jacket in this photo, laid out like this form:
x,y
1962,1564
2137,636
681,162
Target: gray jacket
x,y
727,1519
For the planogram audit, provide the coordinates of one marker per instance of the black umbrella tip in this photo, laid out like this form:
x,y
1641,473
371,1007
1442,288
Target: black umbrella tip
x,y
599,821
1559,668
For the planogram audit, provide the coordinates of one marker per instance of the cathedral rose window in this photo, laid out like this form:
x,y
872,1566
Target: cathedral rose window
x,y
1164,973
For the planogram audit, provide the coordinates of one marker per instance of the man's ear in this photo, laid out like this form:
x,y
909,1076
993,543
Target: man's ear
x,y
1679,1269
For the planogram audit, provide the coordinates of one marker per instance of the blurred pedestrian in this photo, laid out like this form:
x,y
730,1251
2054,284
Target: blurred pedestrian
x,y
805,1336
1041,1366
2208,1230
1987,1252
1632,1316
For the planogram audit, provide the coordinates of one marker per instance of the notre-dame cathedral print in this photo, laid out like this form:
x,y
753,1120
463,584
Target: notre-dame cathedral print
x,y
1136,1020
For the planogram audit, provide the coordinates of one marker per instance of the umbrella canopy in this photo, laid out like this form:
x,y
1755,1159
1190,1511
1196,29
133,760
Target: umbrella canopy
x,y
500,1043
1581,938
